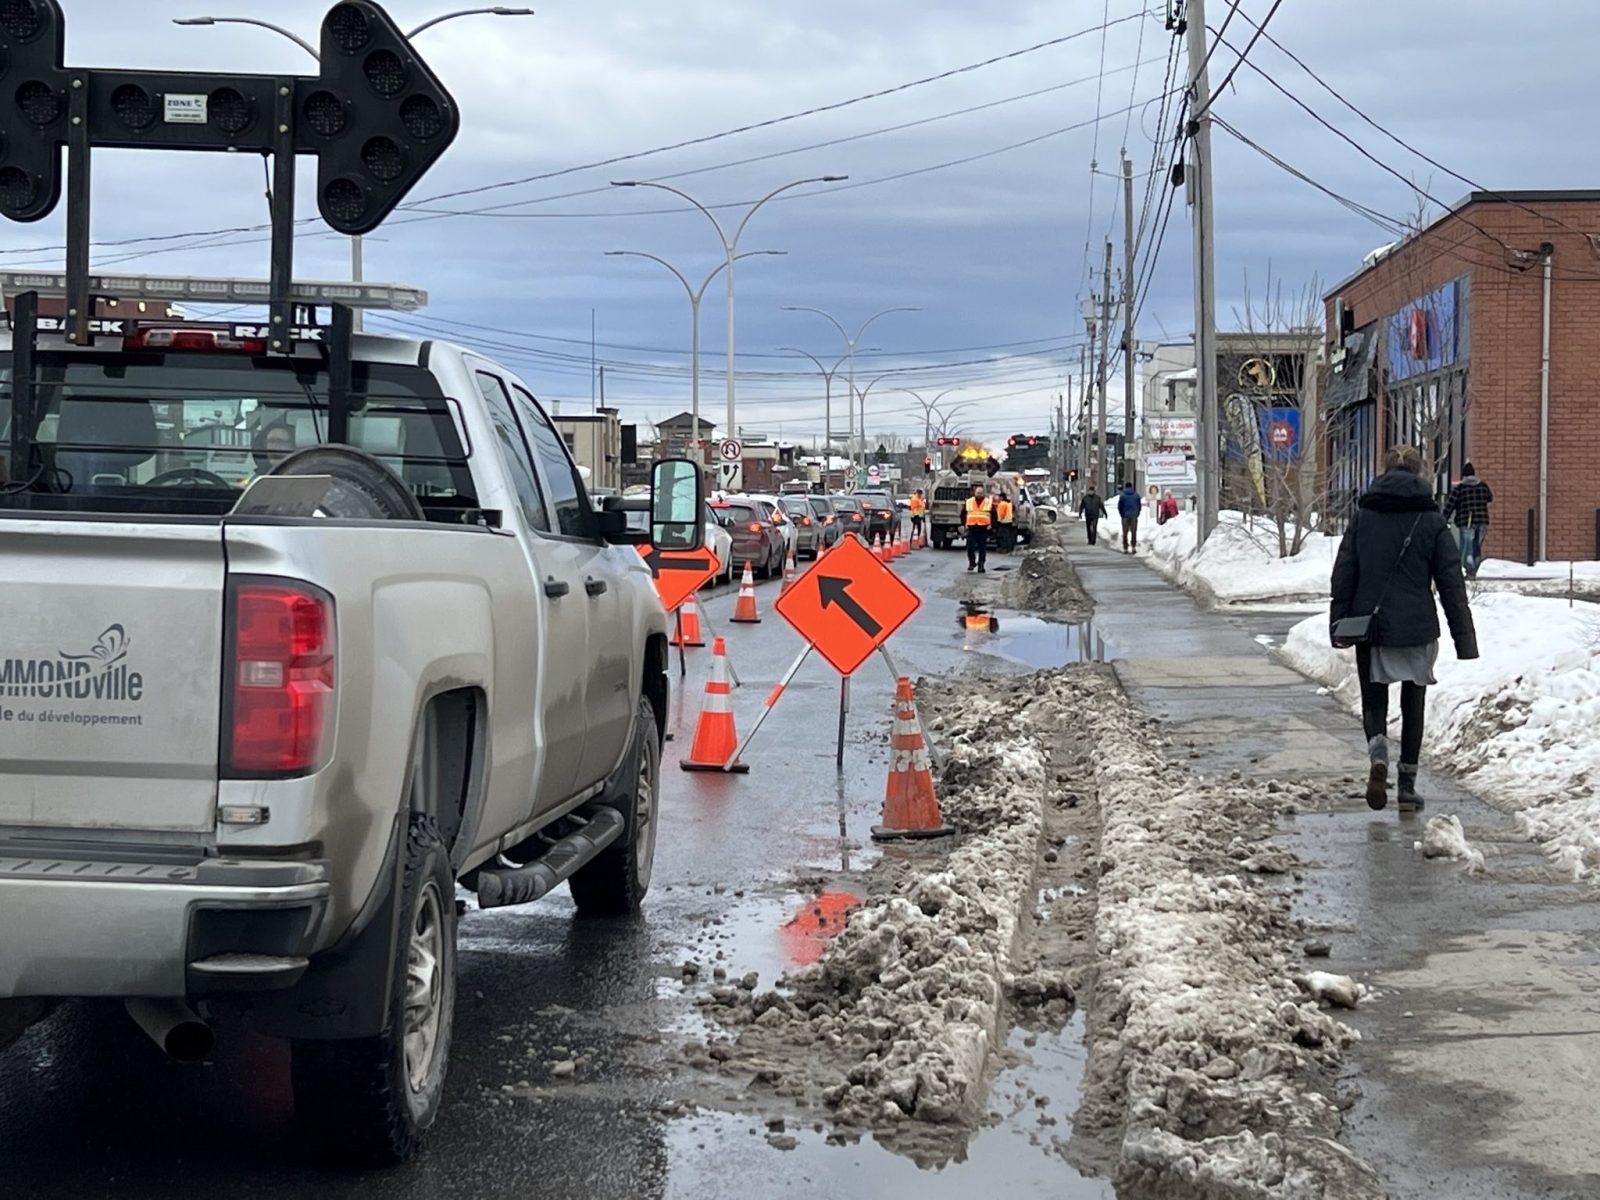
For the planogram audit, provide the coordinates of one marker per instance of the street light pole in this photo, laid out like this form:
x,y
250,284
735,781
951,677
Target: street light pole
x,y
850,345
827,400
357,273
730,247
929,408
695,296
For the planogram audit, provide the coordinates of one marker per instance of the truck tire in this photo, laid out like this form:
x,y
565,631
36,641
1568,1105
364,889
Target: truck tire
x,y
615,883
370,1100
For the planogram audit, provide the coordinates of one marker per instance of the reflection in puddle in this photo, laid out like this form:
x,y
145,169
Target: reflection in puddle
x,y
1023,1152
1035,642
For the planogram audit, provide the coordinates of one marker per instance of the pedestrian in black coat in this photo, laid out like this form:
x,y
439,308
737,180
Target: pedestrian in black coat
x,y
1397,550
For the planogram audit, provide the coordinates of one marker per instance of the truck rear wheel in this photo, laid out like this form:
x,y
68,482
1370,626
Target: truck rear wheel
x,y
615,883
370,1100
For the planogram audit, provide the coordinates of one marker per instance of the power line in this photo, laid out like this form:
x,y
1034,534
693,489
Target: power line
x,y
638,154
809,112
1396,138
1387,223
1243,54
776,154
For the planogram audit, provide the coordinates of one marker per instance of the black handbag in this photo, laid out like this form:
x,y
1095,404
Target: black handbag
x,y
1357,631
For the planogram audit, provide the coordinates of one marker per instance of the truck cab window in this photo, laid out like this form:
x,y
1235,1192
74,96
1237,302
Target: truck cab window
x,y
519,464
568,496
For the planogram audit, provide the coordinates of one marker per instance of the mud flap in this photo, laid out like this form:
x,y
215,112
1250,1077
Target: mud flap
x,y
345,991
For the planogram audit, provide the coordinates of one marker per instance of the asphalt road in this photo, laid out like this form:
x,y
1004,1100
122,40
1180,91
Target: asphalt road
x,y
88,1108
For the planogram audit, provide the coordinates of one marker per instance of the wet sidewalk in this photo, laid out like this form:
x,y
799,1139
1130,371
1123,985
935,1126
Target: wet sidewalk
x,y
1482,1038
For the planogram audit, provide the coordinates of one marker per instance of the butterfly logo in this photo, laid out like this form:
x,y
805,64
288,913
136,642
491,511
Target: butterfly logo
x,y
109,649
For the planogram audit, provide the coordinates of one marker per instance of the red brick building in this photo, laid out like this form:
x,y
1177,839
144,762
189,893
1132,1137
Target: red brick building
x,y
1440,341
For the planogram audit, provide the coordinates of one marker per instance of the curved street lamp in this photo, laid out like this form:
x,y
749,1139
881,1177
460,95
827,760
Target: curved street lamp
x,y
730,247
357,271
827,399
850,344
695,296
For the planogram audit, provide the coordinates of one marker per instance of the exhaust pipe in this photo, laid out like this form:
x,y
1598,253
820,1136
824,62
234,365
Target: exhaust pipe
x,y
173,1026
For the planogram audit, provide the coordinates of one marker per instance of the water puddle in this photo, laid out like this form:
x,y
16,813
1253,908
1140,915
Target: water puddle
x,y
1035,642
1021,1153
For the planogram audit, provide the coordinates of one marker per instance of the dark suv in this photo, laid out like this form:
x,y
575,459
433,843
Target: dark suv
x,y
880,517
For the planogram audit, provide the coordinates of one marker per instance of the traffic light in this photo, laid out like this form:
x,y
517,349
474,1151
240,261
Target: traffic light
x,y
927,465
35,127
949,441
376,118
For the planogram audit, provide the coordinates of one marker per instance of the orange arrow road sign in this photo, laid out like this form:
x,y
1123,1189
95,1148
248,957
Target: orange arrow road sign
x,y
847,604
679,573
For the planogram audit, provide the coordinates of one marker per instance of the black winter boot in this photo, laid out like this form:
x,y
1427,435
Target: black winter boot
x,y
1378,787
1409,801
1378,777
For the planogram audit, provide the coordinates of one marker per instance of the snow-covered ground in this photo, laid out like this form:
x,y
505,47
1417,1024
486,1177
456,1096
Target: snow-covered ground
x,y
1541,579
1240,562
1518,724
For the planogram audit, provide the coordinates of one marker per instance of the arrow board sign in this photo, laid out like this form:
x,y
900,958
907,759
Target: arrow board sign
x,y
847,604
679,574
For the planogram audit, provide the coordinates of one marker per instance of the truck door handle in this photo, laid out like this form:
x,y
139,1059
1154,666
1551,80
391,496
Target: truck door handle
x,y
595,587
556,588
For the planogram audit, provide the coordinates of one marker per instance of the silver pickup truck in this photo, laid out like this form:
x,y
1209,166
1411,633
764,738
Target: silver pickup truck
x,y
247,758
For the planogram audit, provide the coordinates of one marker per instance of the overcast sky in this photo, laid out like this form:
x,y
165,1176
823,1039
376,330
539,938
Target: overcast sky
x,y
991,250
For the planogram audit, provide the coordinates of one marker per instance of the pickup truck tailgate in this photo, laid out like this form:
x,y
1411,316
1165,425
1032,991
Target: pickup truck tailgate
x,y
110,674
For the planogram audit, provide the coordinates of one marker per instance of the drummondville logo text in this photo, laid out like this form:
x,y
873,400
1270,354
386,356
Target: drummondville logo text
x,y
102,673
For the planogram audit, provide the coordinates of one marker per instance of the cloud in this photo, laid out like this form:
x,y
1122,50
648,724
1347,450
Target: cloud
x,y
993,252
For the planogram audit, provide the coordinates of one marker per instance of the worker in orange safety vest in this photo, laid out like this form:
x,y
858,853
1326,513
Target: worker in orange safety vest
x,y
919,512
979,516
1005,515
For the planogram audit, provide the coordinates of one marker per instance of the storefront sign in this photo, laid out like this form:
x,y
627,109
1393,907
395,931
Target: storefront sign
x,y
1169,470
1166,431
1430,333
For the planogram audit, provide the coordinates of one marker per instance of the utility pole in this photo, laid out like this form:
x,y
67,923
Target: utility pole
x,y
1205,261
1085,357
1061,442
1105,364
1127,318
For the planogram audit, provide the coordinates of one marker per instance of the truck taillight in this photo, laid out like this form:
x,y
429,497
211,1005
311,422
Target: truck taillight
x,y
281,679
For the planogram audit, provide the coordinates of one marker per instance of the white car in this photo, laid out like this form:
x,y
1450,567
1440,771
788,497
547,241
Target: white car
x,y
720,542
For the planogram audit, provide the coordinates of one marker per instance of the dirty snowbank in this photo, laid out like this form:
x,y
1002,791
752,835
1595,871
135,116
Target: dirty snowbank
x,y
1518,724
1210,1051
1239,564
895,1021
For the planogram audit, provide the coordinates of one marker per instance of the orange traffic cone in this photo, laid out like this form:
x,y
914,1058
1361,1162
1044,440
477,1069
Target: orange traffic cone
x,y
910,809
715,740
790,567
744,608
688,632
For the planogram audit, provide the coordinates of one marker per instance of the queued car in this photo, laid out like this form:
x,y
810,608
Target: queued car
x,y
852,515
882,519
827,518
791,536
757,539
807,527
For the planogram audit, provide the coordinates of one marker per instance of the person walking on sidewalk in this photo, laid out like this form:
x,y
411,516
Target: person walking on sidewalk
x,y
979,516
1468,506
1396,551
1167,509
1093,510
1128,508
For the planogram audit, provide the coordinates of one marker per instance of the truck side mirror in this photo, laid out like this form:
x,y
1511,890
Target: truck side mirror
x,y
677,500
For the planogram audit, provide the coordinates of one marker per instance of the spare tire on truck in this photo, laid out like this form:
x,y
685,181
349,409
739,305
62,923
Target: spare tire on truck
x,y
363,487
